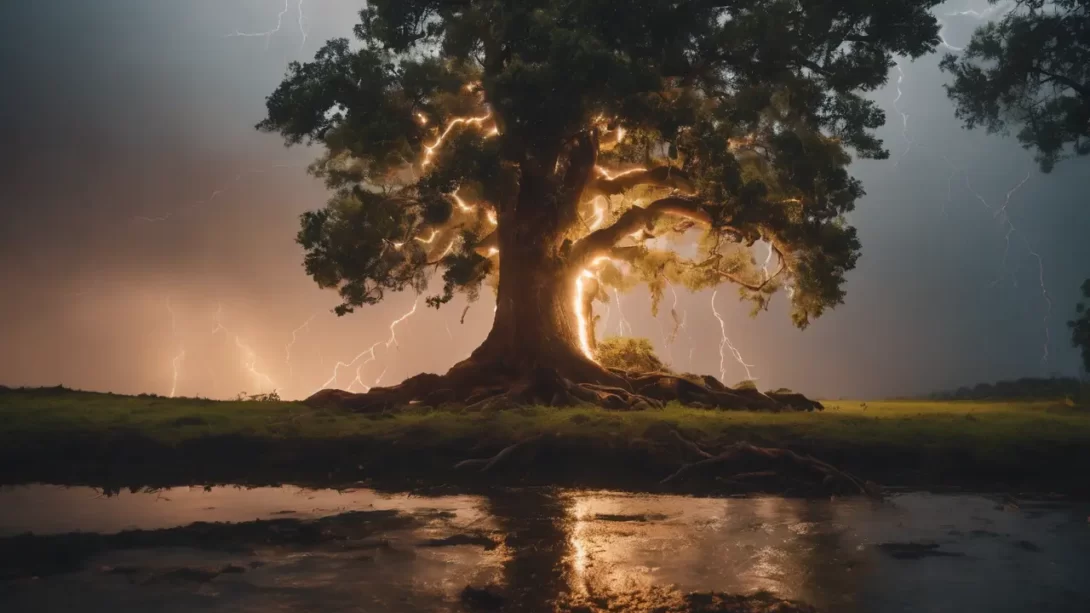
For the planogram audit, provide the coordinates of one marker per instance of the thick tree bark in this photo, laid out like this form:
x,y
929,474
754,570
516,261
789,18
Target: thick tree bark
x,y
536,323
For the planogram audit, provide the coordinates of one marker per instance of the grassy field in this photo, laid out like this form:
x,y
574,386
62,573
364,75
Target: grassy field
x,y
63,435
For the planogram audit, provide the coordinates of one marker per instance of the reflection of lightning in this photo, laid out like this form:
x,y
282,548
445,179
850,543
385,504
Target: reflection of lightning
x,y
725,343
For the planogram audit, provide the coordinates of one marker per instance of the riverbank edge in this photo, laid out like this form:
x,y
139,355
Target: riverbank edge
x,y
129,461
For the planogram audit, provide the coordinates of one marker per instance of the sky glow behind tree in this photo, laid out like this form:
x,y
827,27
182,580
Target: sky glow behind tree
x,y
144,225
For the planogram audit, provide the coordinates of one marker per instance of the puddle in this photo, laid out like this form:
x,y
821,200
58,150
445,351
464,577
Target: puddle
x,y
915,552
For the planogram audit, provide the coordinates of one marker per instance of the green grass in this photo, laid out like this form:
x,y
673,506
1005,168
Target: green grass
x,y
990,433
962,424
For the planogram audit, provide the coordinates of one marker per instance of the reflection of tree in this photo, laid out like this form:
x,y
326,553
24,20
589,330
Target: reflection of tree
x,y
536,571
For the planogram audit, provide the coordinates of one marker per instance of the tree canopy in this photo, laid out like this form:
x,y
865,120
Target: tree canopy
x,y
1029,70
653,141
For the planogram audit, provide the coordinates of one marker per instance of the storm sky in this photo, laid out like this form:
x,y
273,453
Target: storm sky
x,y
142,216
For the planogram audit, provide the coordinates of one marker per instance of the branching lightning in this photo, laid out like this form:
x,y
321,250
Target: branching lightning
x,y
176,362
287,348
429,150
249,362
268,34
623,322
370,351
724,343
904,116
1004,215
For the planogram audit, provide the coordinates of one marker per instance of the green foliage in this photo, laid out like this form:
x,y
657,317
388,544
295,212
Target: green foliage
x,y
1030,70
758,106
1080,327
630,354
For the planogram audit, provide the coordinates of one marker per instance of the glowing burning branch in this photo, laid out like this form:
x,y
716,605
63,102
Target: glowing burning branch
x,y
429,150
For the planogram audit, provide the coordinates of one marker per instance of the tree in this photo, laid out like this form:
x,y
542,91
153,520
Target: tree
x,y
1080,327
556,148
1029,69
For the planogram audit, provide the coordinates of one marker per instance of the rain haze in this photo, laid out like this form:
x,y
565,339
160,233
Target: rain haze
x,y
147,230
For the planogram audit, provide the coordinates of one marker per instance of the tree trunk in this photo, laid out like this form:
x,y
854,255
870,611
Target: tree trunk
x,y
537,322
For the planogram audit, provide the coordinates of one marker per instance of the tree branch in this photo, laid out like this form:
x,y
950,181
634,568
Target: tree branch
x,y
1079,88
755,286
662,176
601,241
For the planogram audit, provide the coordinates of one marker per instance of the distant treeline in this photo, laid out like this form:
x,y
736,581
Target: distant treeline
x,y
1029,387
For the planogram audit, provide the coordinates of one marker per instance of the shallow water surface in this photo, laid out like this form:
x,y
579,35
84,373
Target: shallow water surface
x,y
914,552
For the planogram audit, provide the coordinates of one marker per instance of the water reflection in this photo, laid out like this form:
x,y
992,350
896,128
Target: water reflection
x,y
555,547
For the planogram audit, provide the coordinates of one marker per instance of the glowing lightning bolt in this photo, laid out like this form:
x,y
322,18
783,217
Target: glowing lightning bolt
x,y
429,150
1011,230
904,116
725,343
177,364
623,323
249,362
582,325
392,341
302,29
269,33
287,348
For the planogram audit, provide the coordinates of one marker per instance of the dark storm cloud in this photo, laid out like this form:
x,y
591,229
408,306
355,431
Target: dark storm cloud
x,y
121,109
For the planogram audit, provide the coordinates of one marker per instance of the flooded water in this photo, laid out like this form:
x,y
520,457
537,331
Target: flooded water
x,y
914,552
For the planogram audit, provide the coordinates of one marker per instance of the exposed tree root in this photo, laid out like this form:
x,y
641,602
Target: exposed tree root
x,y
742,462
486,464
490,387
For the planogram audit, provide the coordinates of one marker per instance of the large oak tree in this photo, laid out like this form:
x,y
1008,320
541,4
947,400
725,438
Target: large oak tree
x,y
554,148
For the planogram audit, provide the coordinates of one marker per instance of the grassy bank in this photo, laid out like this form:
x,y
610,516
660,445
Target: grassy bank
x,y
63,436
